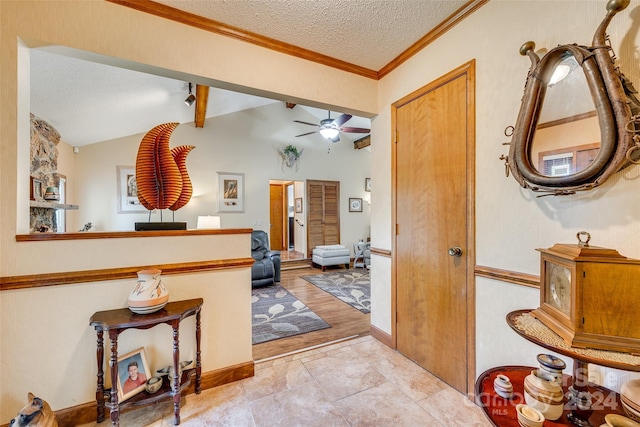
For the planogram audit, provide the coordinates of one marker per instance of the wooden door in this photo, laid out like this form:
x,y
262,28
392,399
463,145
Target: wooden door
x,y
434,175
277,233
323,214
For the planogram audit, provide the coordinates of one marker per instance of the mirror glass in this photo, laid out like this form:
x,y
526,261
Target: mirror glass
x,y
567,136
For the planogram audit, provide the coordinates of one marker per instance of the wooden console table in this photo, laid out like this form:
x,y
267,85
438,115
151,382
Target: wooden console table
x,y
117,321
502,412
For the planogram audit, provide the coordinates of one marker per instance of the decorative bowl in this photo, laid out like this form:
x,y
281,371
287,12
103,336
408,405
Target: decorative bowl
x,y
630,398
630,403
153,384
615,420
631,390
52,193
631,412
528,416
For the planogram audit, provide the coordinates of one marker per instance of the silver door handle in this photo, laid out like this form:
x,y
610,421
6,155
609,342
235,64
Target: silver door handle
x,y
455,251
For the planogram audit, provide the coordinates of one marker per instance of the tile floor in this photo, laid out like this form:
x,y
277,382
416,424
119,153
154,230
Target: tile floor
x,y
360,382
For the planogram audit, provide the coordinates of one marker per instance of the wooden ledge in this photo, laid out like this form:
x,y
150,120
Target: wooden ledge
x,y
53,279
46,237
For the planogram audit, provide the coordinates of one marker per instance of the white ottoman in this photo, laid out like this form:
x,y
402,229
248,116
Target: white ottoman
x,y
330,255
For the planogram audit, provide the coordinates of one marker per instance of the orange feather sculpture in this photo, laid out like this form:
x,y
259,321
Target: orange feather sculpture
x,y
161,173
180,156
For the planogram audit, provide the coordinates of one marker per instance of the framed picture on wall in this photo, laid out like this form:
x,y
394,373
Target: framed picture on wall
x,y
355,204
36,189
298,204
367,184
128,191
133,372
230,192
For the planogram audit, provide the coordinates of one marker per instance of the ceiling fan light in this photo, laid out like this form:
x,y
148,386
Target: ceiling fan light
x,y
329,133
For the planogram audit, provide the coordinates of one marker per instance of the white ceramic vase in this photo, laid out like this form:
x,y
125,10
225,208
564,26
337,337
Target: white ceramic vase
x,y
149,294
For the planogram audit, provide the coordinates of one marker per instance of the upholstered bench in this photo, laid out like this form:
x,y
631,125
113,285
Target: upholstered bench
x,y
330,255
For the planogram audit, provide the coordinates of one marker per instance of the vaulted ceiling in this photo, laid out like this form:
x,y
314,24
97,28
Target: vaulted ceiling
x,y
90,102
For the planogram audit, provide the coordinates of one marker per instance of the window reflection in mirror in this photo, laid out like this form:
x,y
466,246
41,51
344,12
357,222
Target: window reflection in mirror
x,y
567,138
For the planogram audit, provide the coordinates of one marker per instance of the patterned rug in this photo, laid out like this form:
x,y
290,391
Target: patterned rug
x,y
278,314
351,286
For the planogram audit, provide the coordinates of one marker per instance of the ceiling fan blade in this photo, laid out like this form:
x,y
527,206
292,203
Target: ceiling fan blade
x,y
355,130
342,119
306,123
304,134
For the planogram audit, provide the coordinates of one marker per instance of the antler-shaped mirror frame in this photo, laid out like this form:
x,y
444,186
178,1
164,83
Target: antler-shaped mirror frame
x,y
616,109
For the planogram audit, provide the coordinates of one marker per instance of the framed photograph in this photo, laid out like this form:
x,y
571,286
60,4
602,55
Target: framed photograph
x,y
367,184
133,372
355,204
298,204
36,189
230,192
128,191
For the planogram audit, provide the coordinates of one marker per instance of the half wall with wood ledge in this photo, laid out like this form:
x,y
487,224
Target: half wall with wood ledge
x,y
46,303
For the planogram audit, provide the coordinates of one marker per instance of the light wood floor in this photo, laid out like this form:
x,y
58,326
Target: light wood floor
x,y
345,320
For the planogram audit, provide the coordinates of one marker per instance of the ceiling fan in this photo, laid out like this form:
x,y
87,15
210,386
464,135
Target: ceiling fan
x,y
331,128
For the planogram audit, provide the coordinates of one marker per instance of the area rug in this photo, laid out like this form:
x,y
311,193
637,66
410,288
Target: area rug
x,y
351,286
276,314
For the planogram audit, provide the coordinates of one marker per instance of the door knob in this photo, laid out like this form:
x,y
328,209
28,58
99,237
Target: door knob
x,y
456,251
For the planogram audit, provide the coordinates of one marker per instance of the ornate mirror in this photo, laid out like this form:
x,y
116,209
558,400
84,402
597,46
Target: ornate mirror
x,y
577,124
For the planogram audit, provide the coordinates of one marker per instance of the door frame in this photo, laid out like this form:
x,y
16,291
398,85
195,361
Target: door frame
x,y
284,218
468,71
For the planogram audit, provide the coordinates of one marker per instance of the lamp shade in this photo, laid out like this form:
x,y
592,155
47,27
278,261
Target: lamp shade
x,y
208,222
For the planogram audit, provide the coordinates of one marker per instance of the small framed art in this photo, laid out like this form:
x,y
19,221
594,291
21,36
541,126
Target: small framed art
x,y
133,372
230,192
36,189
367,184
355,204
128,191
298,204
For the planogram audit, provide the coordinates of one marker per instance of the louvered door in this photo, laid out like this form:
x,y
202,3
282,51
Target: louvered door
x,y
323,217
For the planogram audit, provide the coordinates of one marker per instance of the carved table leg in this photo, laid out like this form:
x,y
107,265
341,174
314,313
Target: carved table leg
x,y
580,398
198,364
100,387
177,374
113,364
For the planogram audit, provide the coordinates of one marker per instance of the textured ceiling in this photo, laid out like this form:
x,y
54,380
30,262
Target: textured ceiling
x,y
369,33
89,102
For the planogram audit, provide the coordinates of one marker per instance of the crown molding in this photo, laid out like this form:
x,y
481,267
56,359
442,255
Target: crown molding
x,y
177,15
216,27
455,18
